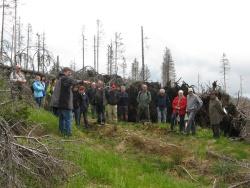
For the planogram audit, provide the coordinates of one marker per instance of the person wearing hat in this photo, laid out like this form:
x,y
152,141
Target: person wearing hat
x,y
194,103
112,100
162,103
17,79
216,113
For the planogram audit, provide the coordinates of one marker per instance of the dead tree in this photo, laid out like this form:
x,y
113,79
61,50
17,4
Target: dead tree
x,y
135,70
145,74
124,67
225,67
119,50
110,64
168,69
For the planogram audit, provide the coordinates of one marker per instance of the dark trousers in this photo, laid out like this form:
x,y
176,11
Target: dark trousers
x,y
85,118
77,115
100,110
55,111
123,113
143,113
216,130
93,111
38,101
174,121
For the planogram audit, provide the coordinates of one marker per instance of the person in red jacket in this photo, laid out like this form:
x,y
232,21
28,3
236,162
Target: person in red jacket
x,y
179,105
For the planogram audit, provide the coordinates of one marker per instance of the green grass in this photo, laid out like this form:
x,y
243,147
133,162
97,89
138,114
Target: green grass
x,y
103,166
107,168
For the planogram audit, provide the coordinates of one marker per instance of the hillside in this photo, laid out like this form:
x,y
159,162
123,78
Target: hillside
x,y
146,156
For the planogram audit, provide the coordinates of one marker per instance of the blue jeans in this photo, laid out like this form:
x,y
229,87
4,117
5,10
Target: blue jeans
x,y
38,101
65,118
191,123
162,113
77,114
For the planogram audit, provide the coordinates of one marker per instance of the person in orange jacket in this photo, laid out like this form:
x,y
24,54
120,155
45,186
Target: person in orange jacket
x,y
179,105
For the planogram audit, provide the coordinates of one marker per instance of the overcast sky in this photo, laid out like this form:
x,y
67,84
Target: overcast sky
x,y
196,31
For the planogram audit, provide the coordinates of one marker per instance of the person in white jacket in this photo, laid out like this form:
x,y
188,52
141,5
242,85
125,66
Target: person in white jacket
x,y
17,80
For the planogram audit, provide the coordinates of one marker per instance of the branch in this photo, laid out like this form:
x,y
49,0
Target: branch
x,y
187,173
240,184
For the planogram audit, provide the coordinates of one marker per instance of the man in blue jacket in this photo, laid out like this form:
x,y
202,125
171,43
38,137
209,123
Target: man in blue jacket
x,y
38,90
162,103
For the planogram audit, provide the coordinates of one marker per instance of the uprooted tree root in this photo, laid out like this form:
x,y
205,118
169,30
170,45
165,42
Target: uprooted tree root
x,y
26,157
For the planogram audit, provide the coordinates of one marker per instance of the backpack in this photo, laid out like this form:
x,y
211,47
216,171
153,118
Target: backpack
x,y
141,92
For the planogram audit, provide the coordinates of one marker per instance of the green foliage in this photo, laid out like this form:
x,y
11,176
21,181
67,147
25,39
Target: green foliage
x,y
109,169
15,111
224,169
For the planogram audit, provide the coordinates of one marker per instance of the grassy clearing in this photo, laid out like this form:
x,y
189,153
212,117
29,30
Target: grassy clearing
x,y
128,158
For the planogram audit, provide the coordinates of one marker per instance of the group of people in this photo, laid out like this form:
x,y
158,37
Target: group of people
x,y
66,95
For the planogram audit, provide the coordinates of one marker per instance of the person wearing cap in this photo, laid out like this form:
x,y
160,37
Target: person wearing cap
x,y
143,100
91,95
123,104
84,104
17,79
194,103
162,103
65,101
216,113
179,105
112,100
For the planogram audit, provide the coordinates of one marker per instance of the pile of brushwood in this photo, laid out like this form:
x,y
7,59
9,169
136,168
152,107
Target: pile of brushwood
x,y
26,158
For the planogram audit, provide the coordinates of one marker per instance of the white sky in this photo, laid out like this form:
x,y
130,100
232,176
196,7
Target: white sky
x,y
196,31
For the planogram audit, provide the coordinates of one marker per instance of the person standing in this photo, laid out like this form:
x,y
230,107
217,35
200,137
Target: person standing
x,y
100,102
45,85
91,95
194,103
18,80
38,89
112,99
49,92
76,105
216,114
84,104
179,105
54,103
143,100
65,104
162,103
123,104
